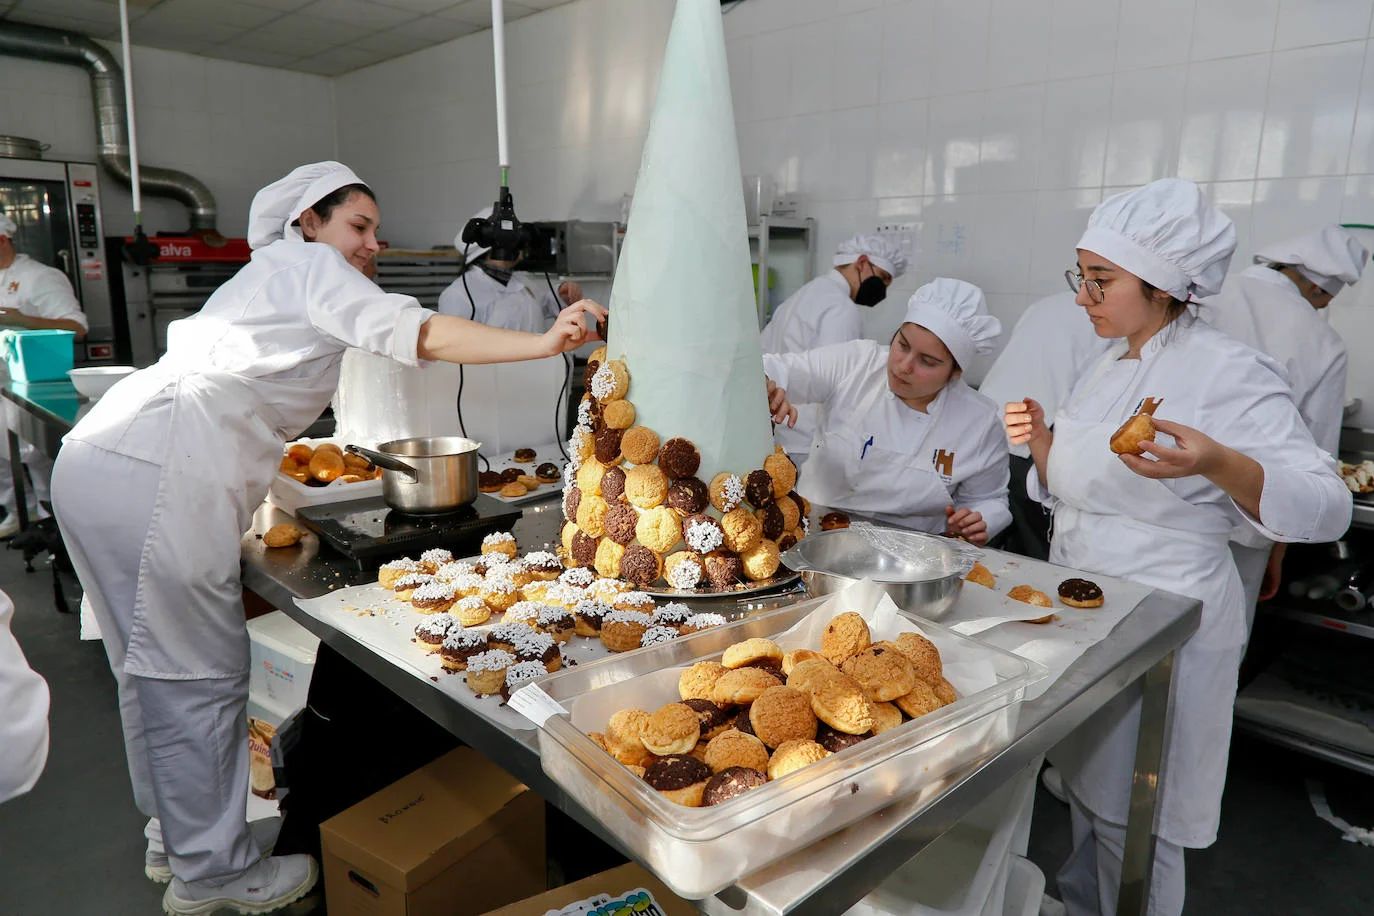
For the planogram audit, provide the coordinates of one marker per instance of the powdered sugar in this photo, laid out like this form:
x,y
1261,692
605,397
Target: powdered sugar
x,y
591,609
434,590
638,617
522,673
467,582
509,632
673,614
436,556
603,383
566,595
639,601
577,577
532,644
704,621
404,564
434,629
452,571
542,561
523,611
554,617
685,574
412,581
468,604
731,493
461,640
498,537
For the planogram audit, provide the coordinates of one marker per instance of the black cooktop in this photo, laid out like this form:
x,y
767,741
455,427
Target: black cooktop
x,y
368,529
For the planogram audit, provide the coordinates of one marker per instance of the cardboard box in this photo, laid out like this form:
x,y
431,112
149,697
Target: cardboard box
x,y
630,889
458,835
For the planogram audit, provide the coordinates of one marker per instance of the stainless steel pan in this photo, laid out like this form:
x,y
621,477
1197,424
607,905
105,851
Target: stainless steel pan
x,y
426,475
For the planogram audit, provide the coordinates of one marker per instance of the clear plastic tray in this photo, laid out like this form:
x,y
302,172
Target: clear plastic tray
x,y
289,494
699,851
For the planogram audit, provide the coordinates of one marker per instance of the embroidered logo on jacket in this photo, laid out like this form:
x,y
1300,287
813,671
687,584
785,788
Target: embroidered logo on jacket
x,y
14,286
943,462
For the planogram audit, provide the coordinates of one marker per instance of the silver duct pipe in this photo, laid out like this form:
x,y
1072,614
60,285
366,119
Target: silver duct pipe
x,y
107,91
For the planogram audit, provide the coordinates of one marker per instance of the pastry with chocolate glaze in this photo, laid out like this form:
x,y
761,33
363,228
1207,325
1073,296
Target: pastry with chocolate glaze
x,y
547,472
1081,593
608,445
679,458
688,495
525,455
731,783
584,548
620,523
489,481
640,565
723,569
613,485
833,520
680,778
572,500
771,517
758,489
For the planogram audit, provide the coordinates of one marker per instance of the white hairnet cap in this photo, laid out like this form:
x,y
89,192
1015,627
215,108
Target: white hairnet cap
x,y
7,226
883,252
1331,257
281,203
1166,233
473,251
957,313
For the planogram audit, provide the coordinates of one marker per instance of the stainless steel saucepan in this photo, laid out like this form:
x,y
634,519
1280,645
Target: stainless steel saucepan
x,y
426,475
922,573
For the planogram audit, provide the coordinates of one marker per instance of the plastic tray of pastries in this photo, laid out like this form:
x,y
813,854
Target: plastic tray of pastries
x,y
699,851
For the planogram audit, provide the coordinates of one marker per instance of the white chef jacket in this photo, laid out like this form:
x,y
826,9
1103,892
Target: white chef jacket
x,y
523,304
817,315
1263,308
1051,345
24,725
253,368
39,291
875,456
1172,535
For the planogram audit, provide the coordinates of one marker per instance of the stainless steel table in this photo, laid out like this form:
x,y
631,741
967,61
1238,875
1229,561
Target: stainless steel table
x,y
833,874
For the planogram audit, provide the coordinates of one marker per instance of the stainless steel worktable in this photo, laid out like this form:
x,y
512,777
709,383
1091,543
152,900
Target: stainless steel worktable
x,y
833,874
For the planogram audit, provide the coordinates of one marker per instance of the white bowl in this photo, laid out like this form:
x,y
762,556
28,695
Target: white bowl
x,y
93,381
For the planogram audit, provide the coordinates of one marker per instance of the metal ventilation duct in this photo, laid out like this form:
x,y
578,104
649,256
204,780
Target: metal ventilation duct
x,y
107,91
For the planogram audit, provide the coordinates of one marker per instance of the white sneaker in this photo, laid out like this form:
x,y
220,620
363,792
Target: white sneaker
x,y
159,870
270,884
155,864
9,527
1053,781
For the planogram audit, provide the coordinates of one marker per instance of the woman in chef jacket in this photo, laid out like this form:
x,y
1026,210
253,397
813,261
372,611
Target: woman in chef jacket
x,y
1231,446
156,485
902,438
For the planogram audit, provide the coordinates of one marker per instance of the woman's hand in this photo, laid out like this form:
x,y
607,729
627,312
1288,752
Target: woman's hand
x,y
966,524
1196,454
1273,572
570,332
778,405
1024,422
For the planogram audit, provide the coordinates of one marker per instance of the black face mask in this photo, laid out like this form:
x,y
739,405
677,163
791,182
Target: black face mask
x,y
871,291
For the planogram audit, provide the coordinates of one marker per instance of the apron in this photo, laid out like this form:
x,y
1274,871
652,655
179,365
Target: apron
x,y
845,472
224,439
1112,521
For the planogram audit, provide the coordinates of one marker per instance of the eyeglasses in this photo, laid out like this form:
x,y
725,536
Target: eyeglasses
x,y
1077,281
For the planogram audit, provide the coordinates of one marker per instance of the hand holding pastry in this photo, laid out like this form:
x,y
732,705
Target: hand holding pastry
x,y
569,331
570,291
1195,454
1024,422
779,407
966,524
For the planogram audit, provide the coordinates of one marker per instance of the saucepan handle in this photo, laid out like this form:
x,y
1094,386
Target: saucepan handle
x,y
386,462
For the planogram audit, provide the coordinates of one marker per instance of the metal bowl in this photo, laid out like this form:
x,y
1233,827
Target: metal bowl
x,y
922,573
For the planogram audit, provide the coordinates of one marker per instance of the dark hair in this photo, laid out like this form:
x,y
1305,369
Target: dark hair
x,y
324,207
1174,309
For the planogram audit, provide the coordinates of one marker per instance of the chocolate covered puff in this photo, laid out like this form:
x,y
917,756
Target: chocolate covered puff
x,y
620,523
711,718
679,778
772,521
688,495
608,446
459,646
723,569
758,489
588,615
679,458
703,534
572,499
683,570
731,782
584,548
640,565
613,485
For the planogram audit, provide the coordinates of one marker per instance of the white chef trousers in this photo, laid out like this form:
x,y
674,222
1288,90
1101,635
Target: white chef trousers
x,y
1251,563
186,740
1091,877
39,488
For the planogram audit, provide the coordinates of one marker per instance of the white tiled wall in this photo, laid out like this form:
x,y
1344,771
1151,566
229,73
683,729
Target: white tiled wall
x,y
234,126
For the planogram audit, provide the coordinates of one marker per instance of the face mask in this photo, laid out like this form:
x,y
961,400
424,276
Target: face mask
x,y
497,274
871,291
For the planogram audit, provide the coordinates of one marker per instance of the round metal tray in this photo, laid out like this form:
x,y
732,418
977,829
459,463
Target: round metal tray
x,y
736,591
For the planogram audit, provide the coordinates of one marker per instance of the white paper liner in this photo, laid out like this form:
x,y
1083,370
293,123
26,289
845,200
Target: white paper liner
x,y
373,616
1000,621
839,796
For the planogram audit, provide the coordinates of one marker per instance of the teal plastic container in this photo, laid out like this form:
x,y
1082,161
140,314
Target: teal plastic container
x,y
37,356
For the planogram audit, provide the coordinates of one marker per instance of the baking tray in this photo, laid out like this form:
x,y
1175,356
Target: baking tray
x,y
546,452
699,851
739,590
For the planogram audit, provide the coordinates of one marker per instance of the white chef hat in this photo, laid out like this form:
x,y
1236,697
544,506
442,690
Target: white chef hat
x,y
281,203
1331,257
473,251
883,252
7,226
957,313
1167,234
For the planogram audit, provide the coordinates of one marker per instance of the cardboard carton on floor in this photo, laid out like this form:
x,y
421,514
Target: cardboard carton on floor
x,y
625,889
458,835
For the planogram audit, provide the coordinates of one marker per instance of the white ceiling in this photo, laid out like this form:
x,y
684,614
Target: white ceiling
x,y
328,37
